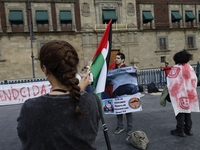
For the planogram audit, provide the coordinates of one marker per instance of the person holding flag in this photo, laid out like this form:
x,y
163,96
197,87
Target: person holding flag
x,y
131,89
99,67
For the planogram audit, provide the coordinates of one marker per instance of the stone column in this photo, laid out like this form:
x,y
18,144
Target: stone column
x,y
50,17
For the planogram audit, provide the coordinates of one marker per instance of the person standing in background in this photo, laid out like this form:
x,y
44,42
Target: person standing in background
x,y
182,83
167,68
120,58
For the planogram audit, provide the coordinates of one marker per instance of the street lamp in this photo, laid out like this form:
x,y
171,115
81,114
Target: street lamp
x,y
31,38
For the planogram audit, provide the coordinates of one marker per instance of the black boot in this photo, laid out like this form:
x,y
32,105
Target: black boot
x,y
180,125
188,132
188,124
178,133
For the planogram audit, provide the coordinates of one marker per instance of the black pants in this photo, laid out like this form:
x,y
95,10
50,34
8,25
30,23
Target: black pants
x,y
184,121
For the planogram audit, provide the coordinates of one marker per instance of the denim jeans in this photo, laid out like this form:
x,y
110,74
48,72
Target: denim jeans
x,y
129,119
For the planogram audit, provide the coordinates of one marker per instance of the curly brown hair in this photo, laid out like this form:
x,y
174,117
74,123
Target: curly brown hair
x,y
61,59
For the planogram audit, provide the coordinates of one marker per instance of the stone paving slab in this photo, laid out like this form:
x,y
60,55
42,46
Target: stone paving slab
x,y
156,121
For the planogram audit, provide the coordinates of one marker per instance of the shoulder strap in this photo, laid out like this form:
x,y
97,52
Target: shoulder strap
x,y
105,128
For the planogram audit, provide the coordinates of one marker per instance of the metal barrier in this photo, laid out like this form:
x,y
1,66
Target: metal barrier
x,y
156,76
145,77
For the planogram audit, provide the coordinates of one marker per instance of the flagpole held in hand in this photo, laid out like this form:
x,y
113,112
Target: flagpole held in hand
x,y
99,69
105,128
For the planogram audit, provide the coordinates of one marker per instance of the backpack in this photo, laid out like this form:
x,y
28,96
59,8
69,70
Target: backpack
x,y
152,88
140,88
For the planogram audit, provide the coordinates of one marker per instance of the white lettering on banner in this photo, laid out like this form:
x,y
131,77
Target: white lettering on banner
x,y
129,69
18,93
123,105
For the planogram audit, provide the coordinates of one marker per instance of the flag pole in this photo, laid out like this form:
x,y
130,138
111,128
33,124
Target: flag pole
x,y
89,67
102,45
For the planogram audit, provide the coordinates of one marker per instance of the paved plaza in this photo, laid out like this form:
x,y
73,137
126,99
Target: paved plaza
x,y
156,121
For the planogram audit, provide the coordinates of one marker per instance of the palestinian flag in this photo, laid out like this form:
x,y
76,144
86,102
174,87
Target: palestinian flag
x,y
101,59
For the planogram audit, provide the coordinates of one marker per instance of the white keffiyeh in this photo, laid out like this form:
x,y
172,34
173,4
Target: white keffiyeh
x,y
181,83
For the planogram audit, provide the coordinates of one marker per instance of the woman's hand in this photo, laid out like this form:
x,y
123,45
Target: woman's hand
x,y
84,82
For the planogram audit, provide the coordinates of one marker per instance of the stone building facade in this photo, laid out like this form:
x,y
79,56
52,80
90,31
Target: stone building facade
x,y
148,32
174,27
15,43
83,31
124,33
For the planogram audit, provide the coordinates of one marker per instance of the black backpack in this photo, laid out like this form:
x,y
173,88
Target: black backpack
x,y
140,88
152,88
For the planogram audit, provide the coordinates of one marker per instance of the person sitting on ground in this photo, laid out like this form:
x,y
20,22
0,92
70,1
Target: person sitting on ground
x,y
65,118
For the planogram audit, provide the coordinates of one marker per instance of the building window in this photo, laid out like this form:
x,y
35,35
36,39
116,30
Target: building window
x,y
191,56
189,17
66,26
176,17
162,43
42,20
16,20
162,59
190,41
147,18
66,20
109,14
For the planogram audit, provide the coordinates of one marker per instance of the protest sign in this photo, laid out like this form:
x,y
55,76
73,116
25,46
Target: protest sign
x,y
121,91
122,105
18,93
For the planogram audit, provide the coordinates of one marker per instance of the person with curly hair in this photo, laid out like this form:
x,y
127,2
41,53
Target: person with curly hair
x,y
65,118
181,83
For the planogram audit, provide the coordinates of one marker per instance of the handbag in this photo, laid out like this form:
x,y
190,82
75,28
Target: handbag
x,y
138,139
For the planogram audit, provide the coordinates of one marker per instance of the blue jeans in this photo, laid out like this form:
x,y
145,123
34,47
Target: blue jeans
x,y
129,119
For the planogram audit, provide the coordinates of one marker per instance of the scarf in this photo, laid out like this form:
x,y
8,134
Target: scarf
x,y
181,83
